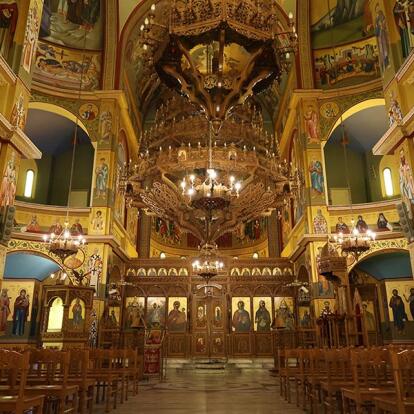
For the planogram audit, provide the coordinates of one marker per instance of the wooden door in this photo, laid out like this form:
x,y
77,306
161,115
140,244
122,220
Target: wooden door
x,y
209,316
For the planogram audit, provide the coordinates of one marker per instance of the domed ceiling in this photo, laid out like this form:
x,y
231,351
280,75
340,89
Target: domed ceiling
x,y
142,83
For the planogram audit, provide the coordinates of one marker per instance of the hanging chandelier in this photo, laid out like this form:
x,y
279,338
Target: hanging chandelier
x,y
354,243
64,244
208,264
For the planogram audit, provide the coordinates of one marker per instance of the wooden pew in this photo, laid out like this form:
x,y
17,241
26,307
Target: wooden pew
x,y
403,371
13,376
372,377
49,375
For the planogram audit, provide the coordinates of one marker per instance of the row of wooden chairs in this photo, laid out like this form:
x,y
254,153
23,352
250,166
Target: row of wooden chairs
x,y
349,380
64,382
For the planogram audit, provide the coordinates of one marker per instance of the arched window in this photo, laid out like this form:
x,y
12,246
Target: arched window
x,y
389,187
28,185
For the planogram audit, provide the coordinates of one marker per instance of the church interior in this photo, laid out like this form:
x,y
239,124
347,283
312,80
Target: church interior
x,y
232,226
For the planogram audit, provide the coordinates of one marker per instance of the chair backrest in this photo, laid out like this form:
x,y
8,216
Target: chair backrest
x,y
371,367
51,365
101,359
13,371
79,364
337,364
317,362
403,367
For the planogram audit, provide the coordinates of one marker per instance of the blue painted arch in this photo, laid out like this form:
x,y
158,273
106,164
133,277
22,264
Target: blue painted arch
x,y
27,265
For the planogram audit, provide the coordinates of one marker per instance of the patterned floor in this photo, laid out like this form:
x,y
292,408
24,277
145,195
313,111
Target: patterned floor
x,y
249,392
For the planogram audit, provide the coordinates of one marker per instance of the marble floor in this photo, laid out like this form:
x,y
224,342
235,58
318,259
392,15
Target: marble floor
x,y
194,392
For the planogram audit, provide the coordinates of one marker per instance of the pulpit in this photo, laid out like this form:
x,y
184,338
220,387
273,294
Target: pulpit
x,y
66,316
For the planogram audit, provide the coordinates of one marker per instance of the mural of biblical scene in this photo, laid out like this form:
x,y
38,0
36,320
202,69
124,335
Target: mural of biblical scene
x,y
285,224
262,314
134,311
19,304
77,314
323,288
339,21
304,316
75,260
251,231
155,312
400,299
369,315
351,64
8,22
404,19
167,231
8,182
74,23
66,68
284,313
177,314
18,114
241,320
316,177
105,129
201,315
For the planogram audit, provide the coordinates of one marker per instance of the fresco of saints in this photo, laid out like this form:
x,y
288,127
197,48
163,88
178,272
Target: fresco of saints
x,y
21,313
406,181
311,124
155,315
77,314
284,317
177,319
398,311
4,310
241,318
8,183
101,173
262,318
381,32
30,38
316,173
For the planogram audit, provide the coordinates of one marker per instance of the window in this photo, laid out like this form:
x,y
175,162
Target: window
x,y
28,185
389,188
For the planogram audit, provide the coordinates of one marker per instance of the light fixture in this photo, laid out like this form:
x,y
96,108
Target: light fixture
x,y
255,255
163,255
208,264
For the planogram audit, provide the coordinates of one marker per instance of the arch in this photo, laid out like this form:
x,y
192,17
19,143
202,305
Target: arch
x,y
55,316
361,127
29,264
58,110
303,274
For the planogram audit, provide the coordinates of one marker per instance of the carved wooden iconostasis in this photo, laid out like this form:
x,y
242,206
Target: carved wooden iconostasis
x,y
235,315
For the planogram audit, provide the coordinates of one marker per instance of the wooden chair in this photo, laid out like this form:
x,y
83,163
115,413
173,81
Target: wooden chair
x,y
372,377
288,369
317,374
78,375
49,375
13,376
301,379
338,375
107,378
403,371
133,370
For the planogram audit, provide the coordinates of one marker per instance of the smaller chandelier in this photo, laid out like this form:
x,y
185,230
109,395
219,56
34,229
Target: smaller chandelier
x,y
208,264
64,244
211,193
355,243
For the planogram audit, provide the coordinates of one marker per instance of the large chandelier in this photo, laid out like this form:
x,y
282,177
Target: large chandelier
x,y
208,264
218,52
